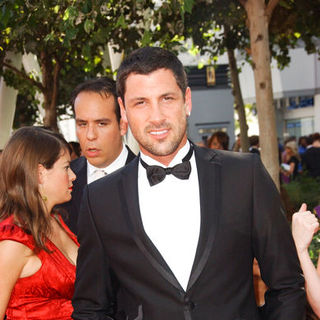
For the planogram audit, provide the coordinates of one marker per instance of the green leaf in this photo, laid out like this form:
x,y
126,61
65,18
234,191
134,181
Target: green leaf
x,y
188,4
121,22
88,26
146,38
56,9
97,60
297,35
66,15
70,14
49,37
71,33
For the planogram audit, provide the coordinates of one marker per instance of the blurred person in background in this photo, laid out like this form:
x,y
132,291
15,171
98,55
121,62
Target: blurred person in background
x,y
254,144
219,140
290,166
99,129
311,158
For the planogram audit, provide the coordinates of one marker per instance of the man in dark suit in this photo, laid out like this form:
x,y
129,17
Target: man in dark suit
x,y
173,235
99,129
311,158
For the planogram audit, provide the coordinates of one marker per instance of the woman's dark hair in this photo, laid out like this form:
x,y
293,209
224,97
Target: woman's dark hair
x,y
19,185
222,138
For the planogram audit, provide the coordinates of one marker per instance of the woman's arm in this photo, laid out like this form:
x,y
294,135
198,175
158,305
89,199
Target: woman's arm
x,y
13,258
289,172
304,225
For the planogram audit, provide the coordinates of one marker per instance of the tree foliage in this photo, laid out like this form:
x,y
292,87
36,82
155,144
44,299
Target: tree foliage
x,y
69,39
218,26
292,23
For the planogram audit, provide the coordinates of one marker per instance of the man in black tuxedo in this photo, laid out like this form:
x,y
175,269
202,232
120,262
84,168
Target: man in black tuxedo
x,y
99,129
173,235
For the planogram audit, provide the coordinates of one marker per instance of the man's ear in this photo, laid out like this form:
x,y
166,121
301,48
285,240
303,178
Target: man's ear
x,y
123,127
123,120
188,102
122,110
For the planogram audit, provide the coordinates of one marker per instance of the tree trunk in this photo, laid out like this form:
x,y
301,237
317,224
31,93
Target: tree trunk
x,y
50,77
238,101
259,39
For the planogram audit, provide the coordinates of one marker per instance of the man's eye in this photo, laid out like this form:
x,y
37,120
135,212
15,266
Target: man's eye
x,y
81,124
102,124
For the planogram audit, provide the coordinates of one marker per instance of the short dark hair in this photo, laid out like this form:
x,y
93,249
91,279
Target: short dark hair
x,y
146,60
103,86
253,140
315,137
222,138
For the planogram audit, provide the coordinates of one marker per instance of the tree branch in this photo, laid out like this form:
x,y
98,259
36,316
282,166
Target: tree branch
x,y
56,73
23,75
270,7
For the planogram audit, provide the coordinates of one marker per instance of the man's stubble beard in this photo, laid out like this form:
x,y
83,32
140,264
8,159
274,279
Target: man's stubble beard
x,y
164,147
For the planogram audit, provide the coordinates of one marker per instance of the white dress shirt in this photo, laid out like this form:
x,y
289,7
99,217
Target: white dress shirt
x,y
94,173
170,213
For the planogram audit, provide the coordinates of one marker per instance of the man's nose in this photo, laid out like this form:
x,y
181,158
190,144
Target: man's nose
x,y
156,113
91,133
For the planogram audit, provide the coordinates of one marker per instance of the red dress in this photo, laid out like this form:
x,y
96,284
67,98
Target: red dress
x,y
47,293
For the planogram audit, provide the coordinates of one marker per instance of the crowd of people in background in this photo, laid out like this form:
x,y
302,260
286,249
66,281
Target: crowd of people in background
x,y
295,157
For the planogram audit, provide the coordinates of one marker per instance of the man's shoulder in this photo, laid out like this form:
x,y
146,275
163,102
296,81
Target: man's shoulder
x,y
78,164
225,156
312,150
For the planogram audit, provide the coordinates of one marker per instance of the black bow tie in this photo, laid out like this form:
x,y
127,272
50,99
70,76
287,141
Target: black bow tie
x,y
156,174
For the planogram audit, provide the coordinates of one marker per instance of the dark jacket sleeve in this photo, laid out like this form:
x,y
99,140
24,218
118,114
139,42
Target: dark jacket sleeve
x,y
275,251
94,290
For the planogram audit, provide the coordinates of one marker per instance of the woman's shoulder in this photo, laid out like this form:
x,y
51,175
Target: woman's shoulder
x,y
293,159
9,230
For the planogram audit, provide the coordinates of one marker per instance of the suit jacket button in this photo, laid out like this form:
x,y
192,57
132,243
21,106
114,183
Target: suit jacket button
x,y
191,305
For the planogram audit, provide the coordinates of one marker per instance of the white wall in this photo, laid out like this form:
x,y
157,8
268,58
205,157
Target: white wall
x,y
8,98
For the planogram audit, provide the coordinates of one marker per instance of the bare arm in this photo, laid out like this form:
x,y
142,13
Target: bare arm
x,y
289,172
13,258
304,225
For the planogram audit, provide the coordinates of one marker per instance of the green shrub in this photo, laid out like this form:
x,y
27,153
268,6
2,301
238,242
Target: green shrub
x,y
305,189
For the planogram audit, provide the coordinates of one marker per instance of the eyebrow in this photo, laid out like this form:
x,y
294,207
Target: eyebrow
x,y
95,120
170,93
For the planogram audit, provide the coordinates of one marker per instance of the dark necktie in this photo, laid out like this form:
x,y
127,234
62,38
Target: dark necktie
x,y
156,174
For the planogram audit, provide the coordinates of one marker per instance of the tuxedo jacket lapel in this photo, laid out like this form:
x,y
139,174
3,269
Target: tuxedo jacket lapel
x,y
79,167
209,174
130,201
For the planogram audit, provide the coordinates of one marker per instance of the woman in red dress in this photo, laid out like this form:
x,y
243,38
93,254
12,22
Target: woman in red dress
x,y
37,251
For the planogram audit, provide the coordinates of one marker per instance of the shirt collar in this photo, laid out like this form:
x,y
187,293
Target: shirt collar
x,y
119,162
177,159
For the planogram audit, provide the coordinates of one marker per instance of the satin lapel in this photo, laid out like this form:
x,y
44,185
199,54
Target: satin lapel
x,y
130,201
209,174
